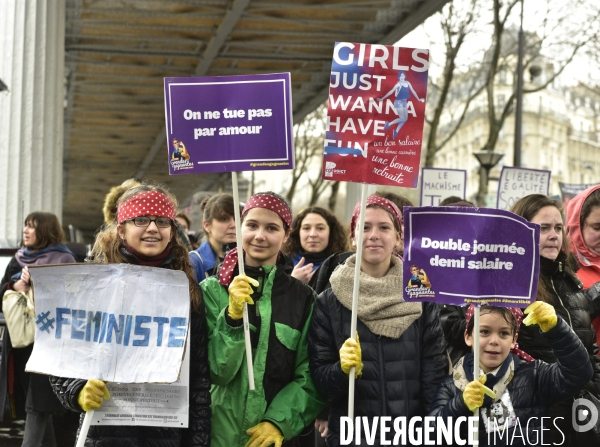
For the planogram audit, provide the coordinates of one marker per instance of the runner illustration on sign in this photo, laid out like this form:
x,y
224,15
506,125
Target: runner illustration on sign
x,y
402,90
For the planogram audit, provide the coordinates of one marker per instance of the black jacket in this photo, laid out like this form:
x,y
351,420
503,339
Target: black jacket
x,y
535,386
198,431
454,323
320,279
399,377
571,303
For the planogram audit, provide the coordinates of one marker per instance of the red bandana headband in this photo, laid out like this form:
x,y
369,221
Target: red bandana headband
x,y
270,202
150,203
260,200
518,314
376,200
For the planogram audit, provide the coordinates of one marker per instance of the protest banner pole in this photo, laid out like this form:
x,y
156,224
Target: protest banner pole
x,y
85,427
476,367
359,233
240,253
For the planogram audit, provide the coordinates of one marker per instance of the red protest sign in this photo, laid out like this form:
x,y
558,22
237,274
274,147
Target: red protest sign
x,y
375,115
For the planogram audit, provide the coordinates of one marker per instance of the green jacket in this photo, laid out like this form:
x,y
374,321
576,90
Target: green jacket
x,y
284,393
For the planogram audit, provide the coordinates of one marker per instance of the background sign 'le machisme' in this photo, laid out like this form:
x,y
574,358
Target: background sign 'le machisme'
x,y
437,184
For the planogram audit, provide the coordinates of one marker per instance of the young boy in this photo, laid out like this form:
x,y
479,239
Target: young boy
x,y
521,391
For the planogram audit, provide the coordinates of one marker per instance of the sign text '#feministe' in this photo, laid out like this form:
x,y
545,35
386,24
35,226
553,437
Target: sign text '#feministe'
x,y
134,330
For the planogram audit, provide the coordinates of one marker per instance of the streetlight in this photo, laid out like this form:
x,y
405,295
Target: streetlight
x,y
487,160
519,97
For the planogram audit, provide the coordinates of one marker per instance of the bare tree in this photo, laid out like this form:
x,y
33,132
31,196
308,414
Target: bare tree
x,y
308,146
556,38
308,143
457,24
561,30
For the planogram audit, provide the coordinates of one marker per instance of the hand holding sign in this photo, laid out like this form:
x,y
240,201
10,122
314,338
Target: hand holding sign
x,y
474,392
92,395
542,314
239,294
351,356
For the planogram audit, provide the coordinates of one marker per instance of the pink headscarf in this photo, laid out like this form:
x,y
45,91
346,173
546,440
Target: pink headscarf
x,y
270,202
583,254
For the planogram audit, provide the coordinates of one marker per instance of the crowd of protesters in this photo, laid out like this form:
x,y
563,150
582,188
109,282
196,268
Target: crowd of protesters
x,y
410,359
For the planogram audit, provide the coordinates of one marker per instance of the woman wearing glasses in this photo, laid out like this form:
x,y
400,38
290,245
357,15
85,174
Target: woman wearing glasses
x,y
145,234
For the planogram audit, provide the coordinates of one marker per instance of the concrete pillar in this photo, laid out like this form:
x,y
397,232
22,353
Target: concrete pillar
x,y
32,42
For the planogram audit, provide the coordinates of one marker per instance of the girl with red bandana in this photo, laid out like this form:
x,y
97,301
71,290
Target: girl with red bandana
x,y
284,400
400,356
145,234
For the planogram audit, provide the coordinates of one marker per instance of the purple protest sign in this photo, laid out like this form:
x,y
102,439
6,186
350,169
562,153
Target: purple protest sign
x,y
461,255
229,123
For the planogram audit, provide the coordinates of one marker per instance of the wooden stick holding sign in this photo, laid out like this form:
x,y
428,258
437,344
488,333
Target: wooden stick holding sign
x,y
85,428
476,366
240,253
359,234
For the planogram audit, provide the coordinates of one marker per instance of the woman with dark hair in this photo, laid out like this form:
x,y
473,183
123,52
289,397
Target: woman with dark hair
x,y
43,240
144,234
561,288
219,225
315,235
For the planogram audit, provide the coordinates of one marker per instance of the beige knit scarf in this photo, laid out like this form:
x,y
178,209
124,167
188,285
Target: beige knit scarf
x,y
380,304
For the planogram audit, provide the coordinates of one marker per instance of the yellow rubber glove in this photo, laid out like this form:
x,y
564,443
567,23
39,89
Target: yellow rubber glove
x,y
351,355
474,391
239,293
92,395
264,435
541,313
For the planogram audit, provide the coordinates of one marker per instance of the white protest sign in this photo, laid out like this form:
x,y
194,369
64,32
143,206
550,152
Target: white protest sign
x,y
437,184
149,404
114,322
515,183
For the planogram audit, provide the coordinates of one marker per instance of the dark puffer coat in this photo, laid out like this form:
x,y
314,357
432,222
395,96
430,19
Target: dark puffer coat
x,y
571,303
535,386
400,376
32,392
